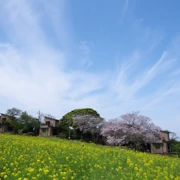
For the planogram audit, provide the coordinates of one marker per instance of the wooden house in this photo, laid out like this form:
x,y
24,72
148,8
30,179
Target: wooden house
x,y
3,123
49,127
161,146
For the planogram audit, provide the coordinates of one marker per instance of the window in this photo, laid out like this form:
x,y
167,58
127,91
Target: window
x,y
48,123
43,130
3,120
157,145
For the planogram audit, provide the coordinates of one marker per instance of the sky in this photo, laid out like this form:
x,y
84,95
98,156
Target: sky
x,y
113,56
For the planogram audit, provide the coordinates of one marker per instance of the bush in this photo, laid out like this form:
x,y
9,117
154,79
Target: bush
x,y
20,131
176,147
30,133
62,135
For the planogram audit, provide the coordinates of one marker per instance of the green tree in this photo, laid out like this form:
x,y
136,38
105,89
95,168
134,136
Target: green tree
x,y
13,120
67,120
22,122
14,112
176,147
175,144
30,124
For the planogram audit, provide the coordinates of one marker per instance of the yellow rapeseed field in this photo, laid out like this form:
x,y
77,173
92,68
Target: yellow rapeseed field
x,y
31,158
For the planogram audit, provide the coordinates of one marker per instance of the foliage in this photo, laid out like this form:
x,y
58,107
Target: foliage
x,y
176,147
30,133
13,122
14,112
62,135
131,129
88,124
67,119
173,137
21,122
38,158
29,122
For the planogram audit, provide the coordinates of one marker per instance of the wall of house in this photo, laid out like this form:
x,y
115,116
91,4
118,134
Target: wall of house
x,y
156,150
164,136
163,148
53,122
3,127
163,144
45,131
3,118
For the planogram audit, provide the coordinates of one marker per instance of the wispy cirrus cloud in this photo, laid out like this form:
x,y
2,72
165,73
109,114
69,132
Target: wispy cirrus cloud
x,y
34,71
124,10
85,54
35,67
128,70
152,90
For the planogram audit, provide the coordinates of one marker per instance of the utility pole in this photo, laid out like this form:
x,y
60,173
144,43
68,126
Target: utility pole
x,y
39,116
69,133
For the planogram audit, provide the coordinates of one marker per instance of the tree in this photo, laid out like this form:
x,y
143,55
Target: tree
x,y
13,120
176,147
14,112
30,124
131,129
88,124
174,143
173,137
67,120
20,121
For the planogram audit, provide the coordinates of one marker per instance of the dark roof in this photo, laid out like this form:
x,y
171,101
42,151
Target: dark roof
x,y
165,131
6,115
51,118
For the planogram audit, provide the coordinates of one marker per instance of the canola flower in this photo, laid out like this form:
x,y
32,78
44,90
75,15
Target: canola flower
x,y
36,158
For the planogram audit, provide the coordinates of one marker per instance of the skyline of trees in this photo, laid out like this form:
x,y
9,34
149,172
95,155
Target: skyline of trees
x,y
131,129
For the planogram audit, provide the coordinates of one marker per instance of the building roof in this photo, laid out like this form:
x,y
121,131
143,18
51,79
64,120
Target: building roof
x,y
5,115
45,117
166,131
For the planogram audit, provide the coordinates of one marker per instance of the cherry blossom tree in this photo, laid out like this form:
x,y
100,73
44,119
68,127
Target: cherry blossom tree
x,y
130,129
88,124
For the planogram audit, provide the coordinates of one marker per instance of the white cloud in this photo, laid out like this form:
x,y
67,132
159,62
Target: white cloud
x,y
127,90
124,10
85,54
35,74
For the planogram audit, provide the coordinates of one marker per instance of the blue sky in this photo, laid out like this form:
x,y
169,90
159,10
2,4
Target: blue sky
x,y
113,56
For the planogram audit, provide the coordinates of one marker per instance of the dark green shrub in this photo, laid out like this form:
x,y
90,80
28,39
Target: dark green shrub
x,y
30,134
62,135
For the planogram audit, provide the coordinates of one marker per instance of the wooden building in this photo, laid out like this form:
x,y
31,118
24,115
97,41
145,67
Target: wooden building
x,y
3,123
49,127
161,146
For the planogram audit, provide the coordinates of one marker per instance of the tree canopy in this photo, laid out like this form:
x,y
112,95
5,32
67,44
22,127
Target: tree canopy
x,y
20,121
88,124
14,112
131,129
67,119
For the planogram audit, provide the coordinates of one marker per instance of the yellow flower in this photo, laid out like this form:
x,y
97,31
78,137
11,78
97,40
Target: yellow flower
x,y
46,171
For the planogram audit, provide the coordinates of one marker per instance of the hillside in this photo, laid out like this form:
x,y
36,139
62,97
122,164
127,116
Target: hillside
x,y
26,158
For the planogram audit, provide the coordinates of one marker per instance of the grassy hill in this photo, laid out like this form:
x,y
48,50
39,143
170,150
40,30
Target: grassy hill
x,y
30,158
